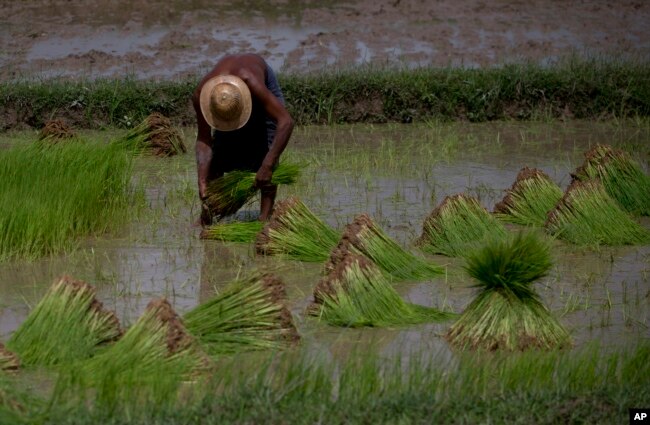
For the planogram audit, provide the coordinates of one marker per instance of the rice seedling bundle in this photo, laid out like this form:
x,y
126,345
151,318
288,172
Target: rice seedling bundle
x,y
8,360
155,135
622,177
457,226
229,193
67,324
249,314
531,197
236,231
55,131
356,293
507,314
364,237
50,196
147,365
296,233
586,215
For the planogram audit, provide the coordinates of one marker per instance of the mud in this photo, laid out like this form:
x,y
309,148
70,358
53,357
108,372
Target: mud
x,y
156,39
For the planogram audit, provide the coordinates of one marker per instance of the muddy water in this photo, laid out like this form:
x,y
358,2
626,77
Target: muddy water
x,y
397,174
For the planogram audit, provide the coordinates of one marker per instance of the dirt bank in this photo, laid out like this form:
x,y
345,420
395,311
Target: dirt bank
x,y
161,39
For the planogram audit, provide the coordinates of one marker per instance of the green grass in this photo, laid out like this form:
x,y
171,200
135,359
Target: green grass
x,y
356,293
529,200
586,87
589,385
68,324
296,233
457,226
622,177
507,314
53,195
588,216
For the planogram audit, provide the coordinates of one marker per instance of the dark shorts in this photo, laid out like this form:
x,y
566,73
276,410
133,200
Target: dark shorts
x,y
246,148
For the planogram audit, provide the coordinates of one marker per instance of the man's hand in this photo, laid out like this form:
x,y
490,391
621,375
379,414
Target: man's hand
x,y
206,214
263,177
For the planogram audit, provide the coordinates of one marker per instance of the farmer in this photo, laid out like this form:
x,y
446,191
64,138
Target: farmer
x,y
242,125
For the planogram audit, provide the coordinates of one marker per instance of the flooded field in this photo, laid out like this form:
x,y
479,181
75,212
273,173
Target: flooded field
x,y
395,173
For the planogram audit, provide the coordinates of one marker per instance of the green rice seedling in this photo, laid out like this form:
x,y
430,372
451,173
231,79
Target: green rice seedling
x,y
8,360
236,231
67,324
364,237
587,216
529,199
145,367
154,135
356,293
248,314
457,226
296,233
622,177
229,193
51,196
507,314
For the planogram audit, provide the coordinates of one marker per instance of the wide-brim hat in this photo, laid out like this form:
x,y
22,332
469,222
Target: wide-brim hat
x,y
226,102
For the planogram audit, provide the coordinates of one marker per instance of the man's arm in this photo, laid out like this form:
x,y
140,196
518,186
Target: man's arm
x,y
275,110
203,148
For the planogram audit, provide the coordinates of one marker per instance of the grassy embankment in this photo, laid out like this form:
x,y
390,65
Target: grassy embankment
x,y
586,386
578,88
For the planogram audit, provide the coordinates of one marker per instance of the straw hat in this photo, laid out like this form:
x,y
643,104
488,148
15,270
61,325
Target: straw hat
x,y
225,102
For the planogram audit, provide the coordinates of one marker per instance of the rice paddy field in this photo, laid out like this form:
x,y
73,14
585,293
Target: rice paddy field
x,y
145,247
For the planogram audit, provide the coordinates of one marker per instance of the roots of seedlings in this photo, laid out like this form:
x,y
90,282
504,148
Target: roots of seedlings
x,y
531,197
155,135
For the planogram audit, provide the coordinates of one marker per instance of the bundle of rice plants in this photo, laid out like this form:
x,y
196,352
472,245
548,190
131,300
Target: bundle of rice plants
x,y
356,293
154,135
507,314
296,233
531,197
55,131
586,215
457,226
230,192
67,324
248,314
363,236
235,231
8,360
622,177
145,367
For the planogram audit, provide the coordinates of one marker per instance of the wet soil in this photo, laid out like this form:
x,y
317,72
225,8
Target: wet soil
x,y
163,39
